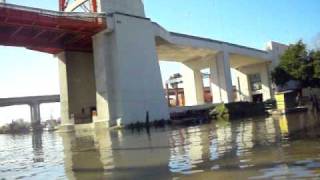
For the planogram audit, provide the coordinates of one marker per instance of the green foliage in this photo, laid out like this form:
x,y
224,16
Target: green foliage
x,y
245,109
298,64
238,110
15,127
294,61
219,111
316,64
280,76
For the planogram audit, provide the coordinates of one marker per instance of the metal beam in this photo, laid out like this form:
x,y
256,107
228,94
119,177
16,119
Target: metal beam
x,y
71,7
94,6
62,4
17,31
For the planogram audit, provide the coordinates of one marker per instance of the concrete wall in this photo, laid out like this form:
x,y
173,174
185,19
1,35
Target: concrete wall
x,y
131,7
77,83
275,50
127,60
245,89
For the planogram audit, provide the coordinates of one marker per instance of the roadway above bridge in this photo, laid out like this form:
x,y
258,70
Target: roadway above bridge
x,y
48,31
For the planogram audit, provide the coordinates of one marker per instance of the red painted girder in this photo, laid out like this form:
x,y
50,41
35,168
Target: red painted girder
x,y
49,33
94,6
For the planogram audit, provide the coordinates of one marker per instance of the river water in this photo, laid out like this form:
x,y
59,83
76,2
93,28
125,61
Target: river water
x,y
284,147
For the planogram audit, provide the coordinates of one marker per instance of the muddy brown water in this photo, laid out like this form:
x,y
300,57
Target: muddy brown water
x,y
283,147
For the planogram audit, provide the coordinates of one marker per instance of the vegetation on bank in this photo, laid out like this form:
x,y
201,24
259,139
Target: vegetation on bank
x,y
299,64
238,110
16,127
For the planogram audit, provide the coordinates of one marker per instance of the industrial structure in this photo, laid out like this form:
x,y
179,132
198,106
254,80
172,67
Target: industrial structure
x,y
109,55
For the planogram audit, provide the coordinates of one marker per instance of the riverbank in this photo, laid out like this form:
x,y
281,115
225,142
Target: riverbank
x,y
16,127
195,115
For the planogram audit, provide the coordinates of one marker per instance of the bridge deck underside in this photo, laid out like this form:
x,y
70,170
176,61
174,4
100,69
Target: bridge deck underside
x,y
48,31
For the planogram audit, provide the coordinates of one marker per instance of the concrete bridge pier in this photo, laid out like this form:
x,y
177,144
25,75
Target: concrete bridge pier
x,y
127,72
193,85
220,79
35,116
77,88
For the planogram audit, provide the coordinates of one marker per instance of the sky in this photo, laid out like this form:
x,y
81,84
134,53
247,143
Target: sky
x,y
251,23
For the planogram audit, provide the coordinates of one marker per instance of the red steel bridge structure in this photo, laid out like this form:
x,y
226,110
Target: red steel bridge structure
x,y
49,31
92,5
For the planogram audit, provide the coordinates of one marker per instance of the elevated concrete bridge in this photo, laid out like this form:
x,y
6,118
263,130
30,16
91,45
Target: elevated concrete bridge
x,y
34,103
109,60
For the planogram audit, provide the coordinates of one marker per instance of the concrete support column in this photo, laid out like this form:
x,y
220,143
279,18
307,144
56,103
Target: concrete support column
x,y
266,81
77,88
243,74
243,86
221,82
269,87
64,94
106,115
127,73
35,115
193,86
67,123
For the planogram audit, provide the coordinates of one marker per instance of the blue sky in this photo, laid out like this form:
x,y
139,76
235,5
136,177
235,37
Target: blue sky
x,y
247,22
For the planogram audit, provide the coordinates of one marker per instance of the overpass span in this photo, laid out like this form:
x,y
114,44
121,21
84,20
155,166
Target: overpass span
x,y
34,103
29,100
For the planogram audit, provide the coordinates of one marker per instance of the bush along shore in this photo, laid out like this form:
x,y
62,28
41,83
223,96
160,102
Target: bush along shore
x,y
16,127
238,110
230,111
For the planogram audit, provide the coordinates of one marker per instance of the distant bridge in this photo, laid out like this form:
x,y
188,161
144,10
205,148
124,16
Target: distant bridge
x,y
34,103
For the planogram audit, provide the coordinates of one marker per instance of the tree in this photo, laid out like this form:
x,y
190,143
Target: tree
x,y
280,76
315,56
315,65
294,61
297,63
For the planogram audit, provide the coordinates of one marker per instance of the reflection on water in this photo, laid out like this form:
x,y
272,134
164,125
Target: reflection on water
x,y
262,148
